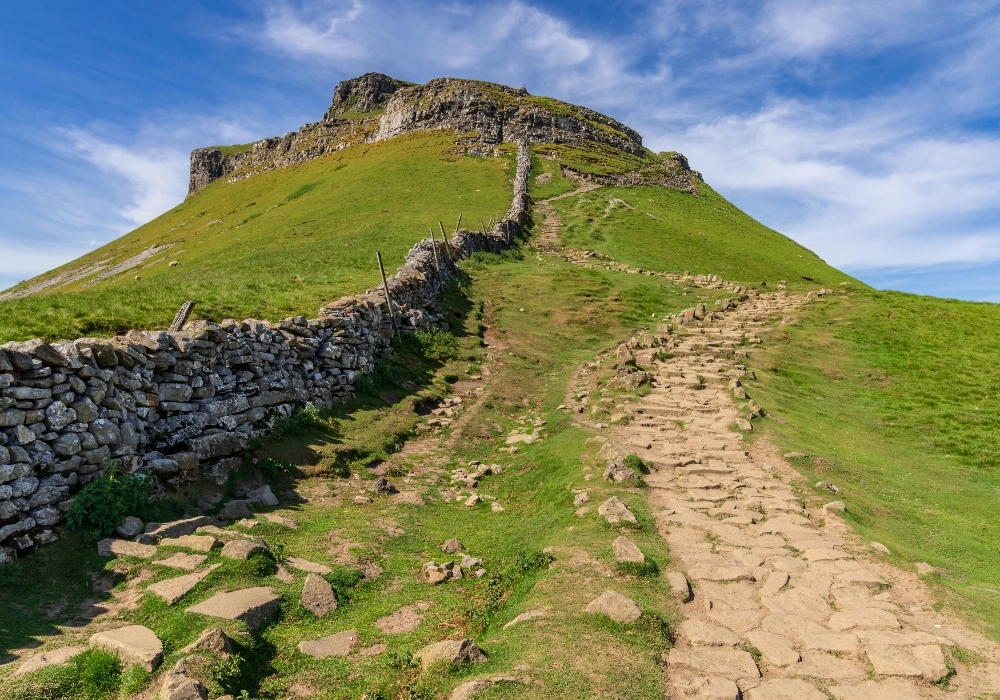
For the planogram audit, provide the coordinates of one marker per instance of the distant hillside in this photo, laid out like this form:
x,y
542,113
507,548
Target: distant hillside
x,y
282,226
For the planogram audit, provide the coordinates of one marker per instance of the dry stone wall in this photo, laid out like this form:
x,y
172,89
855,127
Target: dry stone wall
x,y
182,405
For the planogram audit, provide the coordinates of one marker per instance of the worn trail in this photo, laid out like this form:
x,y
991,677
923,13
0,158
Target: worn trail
x,y
784,601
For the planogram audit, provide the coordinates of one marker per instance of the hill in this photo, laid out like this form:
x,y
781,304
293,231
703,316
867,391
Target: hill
x,y
282,226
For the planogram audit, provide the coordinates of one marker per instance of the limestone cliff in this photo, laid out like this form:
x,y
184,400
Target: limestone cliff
x,y
374,107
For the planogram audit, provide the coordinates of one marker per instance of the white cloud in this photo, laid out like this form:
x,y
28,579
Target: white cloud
x,y
320,29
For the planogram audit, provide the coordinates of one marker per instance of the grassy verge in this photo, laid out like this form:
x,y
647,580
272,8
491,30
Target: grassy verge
x,y
277,244
895,397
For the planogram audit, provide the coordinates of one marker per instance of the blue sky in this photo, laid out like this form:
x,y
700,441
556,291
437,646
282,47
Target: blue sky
x,y
868,131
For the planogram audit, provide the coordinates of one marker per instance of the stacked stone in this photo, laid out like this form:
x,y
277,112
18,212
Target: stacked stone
x,y
175,405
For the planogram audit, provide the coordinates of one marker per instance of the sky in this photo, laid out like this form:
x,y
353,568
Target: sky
x,y
867,131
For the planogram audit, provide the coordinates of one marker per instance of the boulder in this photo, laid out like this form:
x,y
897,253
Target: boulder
x,y
242,549
626,551
234,510
335,645
616,606
134,645
253,606
317,596
614,511
263,495
177,685
130,528
451,651
173,589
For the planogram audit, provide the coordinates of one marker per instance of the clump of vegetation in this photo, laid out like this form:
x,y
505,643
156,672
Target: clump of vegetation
x,y
273,468
104,503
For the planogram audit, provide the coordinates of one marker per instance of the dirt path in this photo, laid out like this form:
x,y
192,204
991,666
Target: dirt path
x,y
787,602
547,237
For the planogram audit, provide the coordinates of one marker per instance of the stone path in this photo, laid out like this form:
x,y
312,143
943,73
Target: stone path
x,y
787,603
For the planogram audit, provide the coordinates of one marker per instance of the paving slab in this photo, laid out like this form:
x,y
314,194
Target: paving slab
x,y
134,645
173,589
253,606
339,644
51,657
187,562
125,548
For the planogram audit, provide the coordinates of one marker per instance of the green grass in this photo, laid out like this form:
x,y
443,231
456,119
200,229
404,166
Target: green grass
x,y
277,244
703,234
896,398
569,314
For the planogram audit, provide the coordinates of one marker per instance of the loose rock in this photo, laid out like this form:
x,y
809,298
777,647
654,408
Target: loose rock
x,y
254,606
626,551
616,606
452,651
614,511
134,645
317,596
335,645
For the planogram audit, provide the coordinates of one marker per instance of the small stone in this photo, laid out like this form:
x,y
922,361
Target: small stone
x,y
614,511
253,606
626,551
451,651
242,549
283,574
581,498
263,495
124,548
317,596
923,568
211,639
452,546
679,586
134,645
309,566
879,547
497,508
526,617
280,520
836,506
435,577
234,510
335,645
616,606
617,472
382,487
177,685
362,500
130,528
472,500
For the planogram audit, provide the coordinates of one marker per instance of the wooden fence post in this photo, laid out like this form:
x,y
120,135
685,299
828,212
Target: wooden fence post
x,y
388,299
458,225
182,316
447,243
436,263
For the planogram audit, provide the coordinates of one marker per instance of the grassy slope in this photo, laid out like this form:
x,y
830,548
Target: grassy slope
x,y
702,234
569,314
278,244
897,396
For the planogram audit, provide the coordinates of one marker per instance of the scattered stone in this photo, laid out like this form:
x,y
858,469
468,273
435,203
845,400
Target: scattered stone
x,y
283,574
200,543
279,520
317,596
679,586
235,510
335,645
187,562
923,568
614,511
248,523
173,589
472,500
124,548
526,617
878,547
362,500
382,487
253,606
497,508
263,495
242,549
626,551
836,506
211,639
52,657
828,486
130,528
616,606
451,651
617,472
581,498
452,546
306,565
134,645
177,685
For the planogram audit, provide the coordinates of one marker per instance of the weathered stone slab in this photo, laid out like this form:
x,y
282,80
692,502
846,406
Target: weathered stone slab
x,y
317,596
785,689
134,645
679,586
200,543
626,551
776,649
616,606
253,606
335,645
125,548
187,562
615,511
172,589
242,549
177,528
729,663
870,690
706,634
451,651
863,618
52,657
306,565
